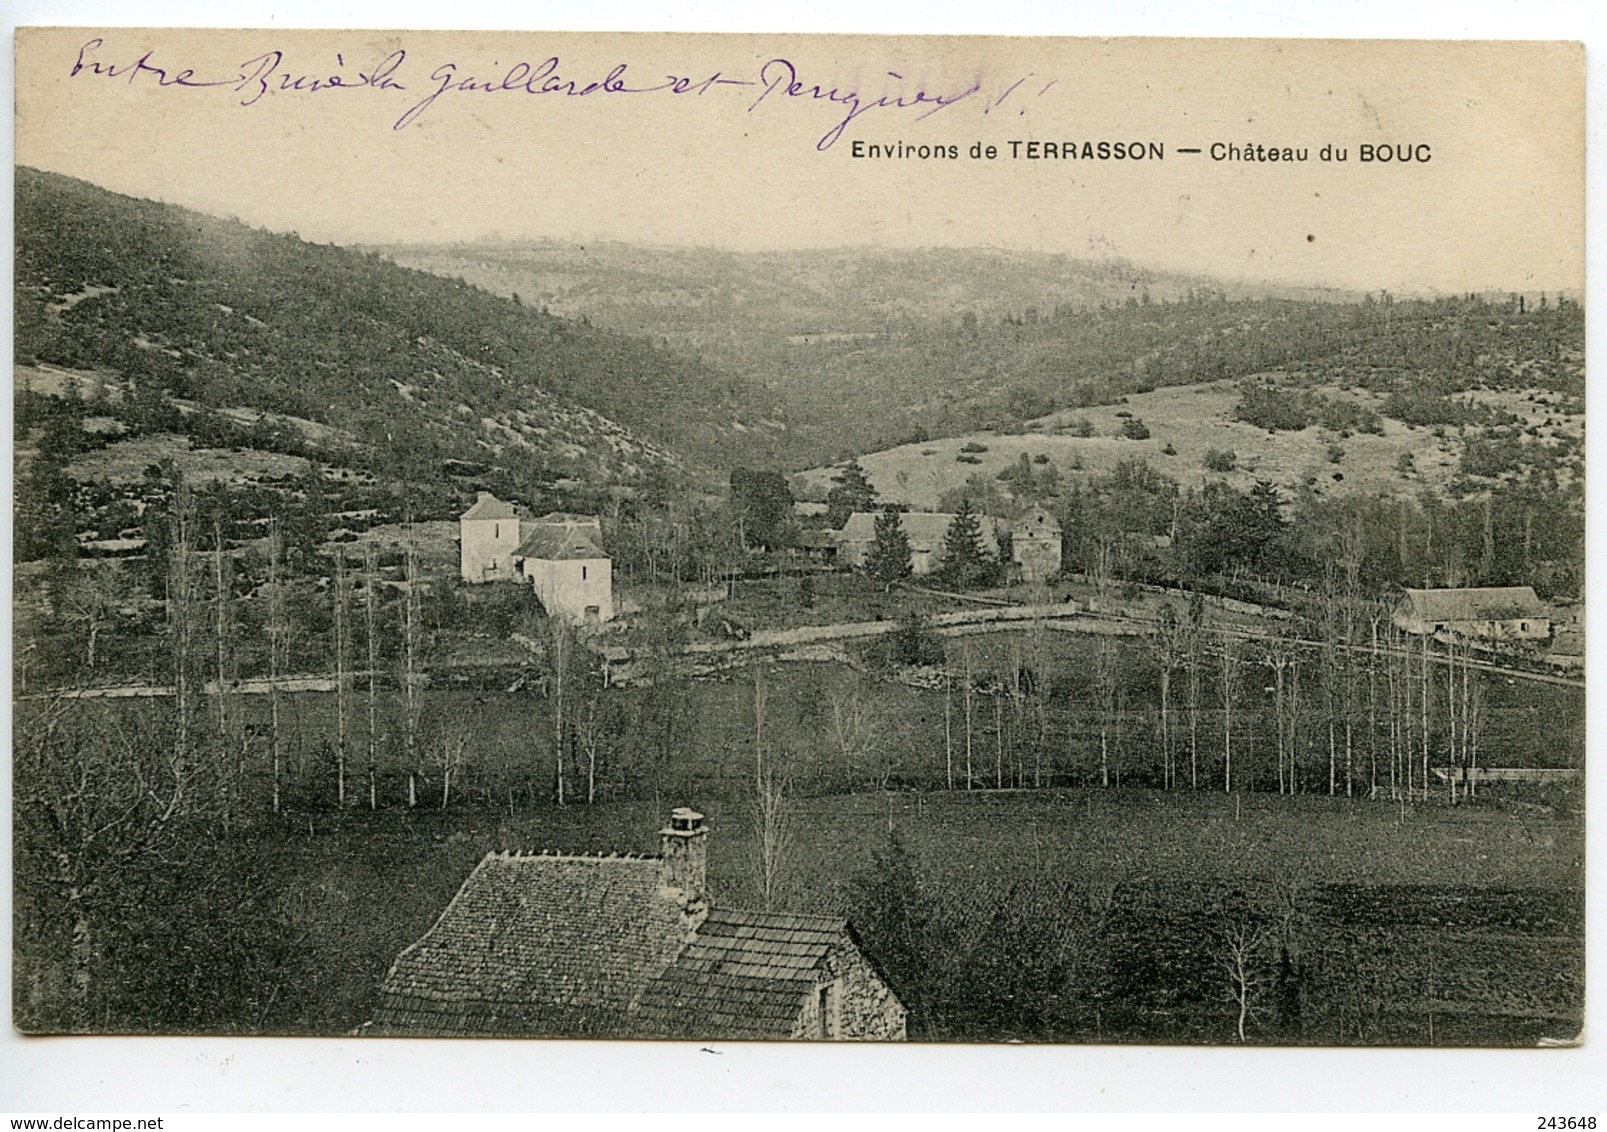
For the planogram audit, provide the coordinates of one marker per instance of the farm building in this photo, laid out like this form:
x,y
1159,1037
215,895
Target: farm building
x,y
1506,613
549,945
560,555
924,529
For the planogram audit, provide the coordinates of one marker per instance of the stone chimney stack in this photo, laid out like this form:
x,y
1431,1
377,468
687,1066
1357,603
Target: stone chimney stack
x,y
684,844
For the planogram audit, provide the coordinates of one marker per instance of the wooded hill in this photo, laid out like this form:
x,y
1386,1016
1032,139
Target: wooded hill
x,y
850,351
410,370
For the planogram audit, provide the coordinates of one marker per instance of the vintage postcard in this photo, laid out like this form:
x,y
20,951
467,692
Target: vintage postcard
x,y
731,537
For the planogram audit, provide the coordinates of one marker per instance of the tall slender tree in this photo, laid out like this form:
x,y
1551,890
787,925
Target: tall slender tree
x,y
889,560
371,642
278,644
965,562
341,596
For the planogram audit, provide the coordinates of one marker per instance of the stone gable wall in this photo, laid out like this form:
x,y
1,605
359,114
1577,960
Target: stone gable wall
x,y
867,1009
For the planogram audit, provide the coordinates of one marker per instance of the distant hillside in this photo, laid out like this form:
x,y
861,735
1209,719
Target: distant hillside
x,y
853,350
716,301
414,369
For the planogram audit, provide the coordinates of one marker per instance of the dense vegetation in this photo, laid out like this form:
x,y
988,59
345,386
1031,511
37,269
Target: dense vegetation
x,y
856,353
411,367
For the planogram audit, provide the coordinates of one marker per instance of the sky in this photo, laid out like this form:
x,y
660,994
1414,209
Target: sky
x,y
743,159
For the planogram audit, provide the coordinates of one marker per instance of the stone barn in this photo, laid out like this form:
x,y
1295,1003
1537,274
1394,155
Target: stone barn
x,y
1497,613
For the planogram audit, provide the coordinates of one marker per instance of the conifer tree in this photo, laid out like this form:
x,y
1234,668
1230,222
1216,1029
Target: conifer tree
x,y
966,562
850,492
889,560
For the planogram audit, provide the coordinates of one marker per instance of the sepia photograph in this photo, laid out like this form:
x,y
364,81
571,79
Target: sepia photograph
x,y
808,538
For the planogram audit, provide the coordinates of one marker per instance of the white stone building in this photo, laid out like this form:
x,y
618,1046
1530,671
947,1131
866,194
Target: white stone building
x,y
560,555
488,535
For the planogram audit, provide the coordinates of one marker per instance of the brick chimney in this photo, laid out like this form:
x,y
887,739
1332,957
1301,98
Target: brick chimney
x,y
684,845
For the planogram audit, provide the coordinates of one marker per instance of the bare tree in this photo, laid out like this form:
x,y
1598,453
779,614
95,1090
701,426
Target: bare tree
x,y
1105,680
450,743
970,696
948,723
231,735
590,730
181,613
343,645
89,595
1038,658
412,644
560,656
278,646
1167,645
1242,943
92,795
1229,679
772,825
1280,657
371,640
1194,660
853,730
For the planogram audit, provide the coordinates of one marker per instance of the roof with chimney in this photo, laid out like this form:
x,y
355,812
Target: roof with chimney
x,y
543,943
488,506
742,976
607,946
1483,603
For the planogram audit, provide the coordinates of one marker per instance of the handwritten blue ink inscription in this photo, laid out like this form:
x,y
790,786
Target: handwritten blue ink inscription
x,y
777,82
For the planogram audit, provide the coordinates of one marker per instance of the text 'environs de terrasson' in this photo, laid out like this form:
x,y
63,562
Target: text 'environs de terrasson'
x,y
1380,153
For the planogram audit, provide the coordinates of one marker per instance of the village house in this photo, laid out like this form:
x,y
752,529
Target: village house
x,y
559,555
619,945
1497,613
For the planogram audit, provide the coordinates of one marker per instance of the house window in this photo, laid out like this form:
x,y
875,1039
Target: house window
x,y
826,1010
1525,625
496,530
583,573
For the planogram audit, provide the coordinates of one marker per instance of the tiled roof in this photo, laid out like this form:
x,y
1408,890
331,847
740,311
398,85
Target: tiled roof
x,y
925,530
537,944
1487,603
744,975
557,543
489,506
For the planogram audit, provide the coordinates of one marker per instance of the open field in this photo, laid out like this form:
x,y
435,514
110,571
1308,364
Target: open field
x,y
1192,419
1475,911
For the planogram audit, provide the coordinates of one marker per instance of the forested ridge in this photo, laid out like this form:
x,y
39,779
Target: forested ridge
x,y
415,368
853,350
